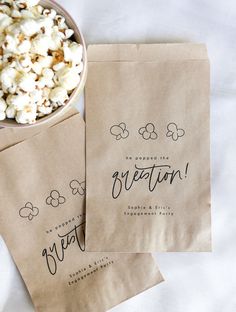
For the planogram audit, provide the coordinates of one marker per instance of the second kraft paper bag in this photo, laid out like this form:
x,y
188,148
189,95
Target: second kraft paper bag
x,y
42,220
13,136
148,148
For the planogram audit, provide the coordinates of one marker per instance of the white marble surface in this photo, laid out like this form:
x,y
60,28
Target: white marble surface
x,y
194,282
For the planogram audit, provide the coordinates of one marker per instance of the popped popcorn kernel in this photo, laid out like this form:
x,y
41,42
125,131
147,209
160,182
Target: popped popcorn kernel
x,y
10,112
59,95
68,78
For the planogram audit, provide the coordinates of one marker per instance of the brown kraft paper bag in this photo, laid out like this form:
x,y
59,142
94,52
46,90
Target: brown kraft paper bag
x,y
148,148
42,219
12,136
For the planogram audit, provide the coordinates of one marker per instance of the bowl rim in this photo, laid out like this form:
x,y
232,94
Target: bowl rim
x,y
11,123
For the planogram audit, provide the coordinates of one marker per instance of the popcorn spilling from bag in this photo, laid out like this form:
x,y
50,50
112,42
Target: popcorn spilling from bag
x,y
40,63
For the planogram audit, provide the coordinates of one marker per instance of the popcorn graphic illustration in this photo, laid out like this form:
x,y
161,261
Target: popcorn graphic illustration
x,y
148,132
120,131
55,199
78,187
28,211
174,132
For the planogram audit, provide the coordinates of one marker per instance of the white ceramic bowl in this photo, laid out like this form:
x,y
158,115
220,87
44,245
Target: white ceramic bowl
x,y
10,123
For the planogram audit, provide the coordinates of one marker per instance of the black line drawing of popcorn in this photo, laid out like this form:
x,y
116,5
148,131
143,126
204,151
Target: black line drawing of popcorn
x,y
174,132
55,199
148,132
28,211
78,187
120,131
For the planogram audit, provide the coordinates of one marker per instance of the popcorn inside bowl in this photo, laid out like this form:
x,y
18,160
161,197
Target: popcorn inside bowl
x,y
40,63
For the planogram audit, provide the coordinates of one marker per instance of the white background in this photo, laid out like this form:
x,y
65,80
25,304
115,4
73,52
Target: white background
x,y
195,282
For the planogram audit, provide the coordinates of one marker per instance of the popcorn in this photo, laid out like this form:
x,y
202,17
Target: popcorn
x,y
10,44
25,62
46,78
41,83
58,57
59,95
12,89
36,96
50,13
29,27
24,46
15,13
60,21
40,44
73,52
5,9
3,105
26,14
27,82
19,101
13,29
2,115
79,68
5,21
40,65
6,58
7,2
11,62
46,92
10,112
56,40
37,68
2,38
15,45
27,115
69,33
37,10
68,78
54,105
45,22
44,110
23,4
48,73
7,77
59,66
45,61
